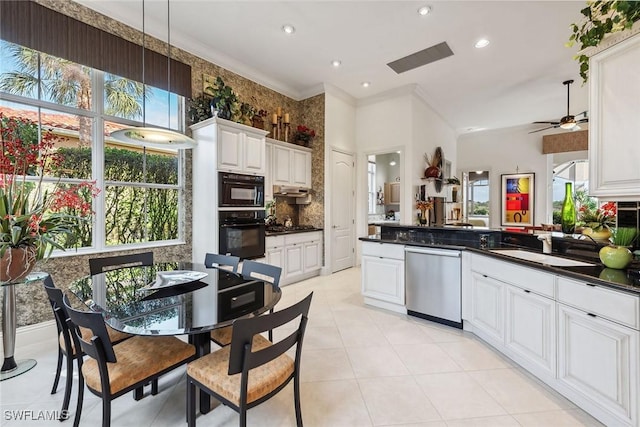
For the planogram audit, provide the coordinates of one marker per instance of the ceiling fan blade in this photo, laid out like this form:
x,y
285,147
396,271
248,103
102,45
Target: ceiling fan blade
x,y
540,130
547,123
585,120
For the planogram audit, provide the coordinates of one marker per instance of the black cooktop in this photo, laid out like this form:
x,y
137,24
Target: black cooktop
x,y
282,228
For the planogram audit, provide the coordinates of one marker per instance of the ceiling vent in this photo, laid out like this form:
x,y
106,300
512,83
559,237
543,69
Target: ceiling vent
x,y
423,57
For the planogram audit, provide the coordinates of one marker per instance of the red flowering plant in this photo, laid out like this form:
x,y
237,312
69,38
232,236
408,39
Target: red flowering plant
x,y
304,135
37,212
600,218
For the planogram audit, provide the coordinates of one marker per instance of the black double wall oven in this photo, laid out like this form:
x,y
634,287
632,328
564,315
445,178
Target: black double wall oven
x,y
241,215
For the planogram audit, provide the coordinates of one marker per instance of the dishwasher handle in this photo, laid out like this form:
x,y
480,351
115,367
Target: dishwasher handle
x,y
430,251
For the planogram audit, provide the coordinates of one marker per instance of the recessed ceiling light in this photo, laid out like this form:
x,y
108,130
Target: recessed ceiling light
x,y
424,10
479,172
289,29
336,63
482,43
398,151
366,84
392,163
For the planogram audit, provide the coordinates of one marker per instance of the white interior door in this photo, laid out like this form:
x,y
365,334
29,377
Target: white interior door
x,y
342,211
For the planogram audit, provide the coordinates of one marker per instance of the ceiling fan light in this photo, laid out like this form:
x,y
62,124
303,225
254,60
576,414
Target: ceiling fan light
x,y
568,125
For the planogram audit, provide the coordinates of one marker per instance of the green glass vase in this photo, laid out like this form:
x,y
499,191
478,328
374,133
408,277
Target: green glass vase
x,y
568,214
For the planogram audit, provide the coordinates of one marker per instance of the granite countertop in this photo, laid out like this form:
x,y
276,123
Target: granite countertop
x,y
280,233
626,280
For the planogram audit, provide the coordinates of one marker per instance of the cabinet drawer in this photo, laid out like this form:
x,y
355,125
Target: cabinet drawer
x,y
297,238
384,250
273,241
523,277
617,306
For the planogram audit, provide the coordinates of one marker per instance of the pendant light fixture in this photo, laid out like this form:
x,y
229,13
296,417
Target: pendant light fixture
x,y
149,136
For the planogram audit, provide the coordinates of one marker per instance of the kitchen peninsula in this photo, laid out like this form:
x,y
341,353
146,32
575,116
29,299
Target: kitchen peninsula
x,y
548,313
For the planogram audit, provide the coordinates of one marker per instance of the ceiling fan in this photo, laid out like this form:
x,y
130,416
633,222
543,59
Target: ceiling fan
x,y
568,122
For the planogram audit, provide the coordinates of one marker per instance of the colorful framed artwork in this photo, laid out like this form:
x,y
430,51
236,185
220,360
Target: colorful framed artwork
x,y
518,201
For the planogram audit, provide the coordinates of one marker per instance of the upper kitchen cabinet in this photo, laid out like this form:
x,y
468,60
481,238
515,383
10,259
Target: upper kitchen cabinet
x,y
240,148
291,164
614,103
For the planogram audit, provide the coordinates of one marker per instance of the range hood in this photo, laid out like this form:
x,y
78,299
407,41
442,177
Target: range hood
x,y
290,191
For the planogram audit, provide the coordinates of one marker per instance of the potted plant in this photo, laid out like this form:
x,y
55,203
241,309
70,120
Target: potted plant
x,y
303,135
246,114
597,221
224,102
618,254
601,17
257,121
35,216
199,108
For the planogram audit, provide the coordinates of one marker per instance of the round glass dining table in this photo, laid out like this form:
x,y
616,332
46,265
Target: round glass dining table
x,y
173,298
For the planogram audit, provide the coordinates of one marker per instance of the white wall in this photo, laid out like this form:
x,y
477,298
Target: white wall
x,y
507,151
399,120
430,130
339,134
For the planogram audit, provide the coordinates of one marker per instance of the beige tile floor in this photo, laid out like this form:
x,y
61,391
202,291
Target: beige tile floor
x,y
361,366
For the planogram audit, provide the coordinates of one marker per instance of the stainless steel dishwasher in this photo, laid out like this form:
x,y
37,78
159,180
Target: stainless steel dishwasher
x,y
433,286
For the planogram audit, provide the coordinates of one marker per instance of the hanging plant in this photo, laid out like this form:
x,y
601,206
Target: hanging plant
x,y
601,17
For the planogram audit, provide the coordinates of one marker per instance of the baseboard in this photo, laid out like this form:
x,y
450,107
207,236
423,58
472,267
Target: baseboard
x,y
38,332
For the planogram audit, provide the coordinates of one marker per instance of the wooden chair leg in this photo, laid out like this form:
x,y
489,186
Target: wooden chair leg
x,y
106,411
76,419
138,393
67,388
58,369
296,397
191,404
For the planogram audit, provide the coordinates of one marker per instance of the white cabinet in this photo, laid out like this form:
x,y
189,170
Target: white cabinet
x,y
299,255
268,172
487,308
291,165
240,148
383,275
598,365
530,333
614,102
391,193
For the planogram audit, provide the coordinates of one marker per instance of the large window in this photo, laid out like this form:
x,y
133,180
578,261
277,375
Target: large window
x,y
140,201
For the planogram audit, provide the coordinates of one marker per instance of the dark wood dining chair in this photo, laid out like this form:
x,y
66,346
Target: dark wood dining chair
x,y
213,260
66,347
113,370
99,265
250,270
251,370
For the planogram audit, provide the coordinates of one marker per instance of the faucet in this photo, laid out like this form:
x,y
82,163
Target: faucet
x,y
546,243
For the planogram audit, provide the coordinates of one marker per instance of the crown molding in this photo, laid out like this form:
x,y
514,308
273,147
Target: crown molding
x,y
340,94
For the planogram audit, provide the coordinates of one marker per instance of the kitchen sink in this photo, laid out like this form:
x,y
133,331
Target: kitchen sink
x,y
542,258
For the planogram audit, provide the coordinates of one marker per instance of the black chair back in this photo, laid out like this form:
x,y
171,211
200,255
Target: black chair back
x,y
241,359
251,270
99,345
99,265
56,297
210,261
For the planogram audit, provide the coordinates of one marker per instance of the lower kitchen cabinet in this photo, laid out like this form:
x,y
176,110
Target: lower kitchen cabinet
x,y
598,365
530,334
299,255
487,308
383,275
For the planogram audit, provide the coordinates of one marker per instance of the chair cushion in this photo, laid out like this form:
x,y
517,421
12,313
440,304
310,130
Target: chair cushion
x,y
211,371
114,337
138,358
222,336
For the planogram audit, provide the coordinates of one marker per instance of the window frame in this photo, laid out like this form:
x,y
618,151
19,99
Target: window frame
x,y
97,115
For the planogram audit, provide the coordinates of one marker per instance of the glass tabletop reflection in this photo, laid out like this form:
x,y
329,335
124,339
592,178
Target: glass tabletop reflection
x,y
139,300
